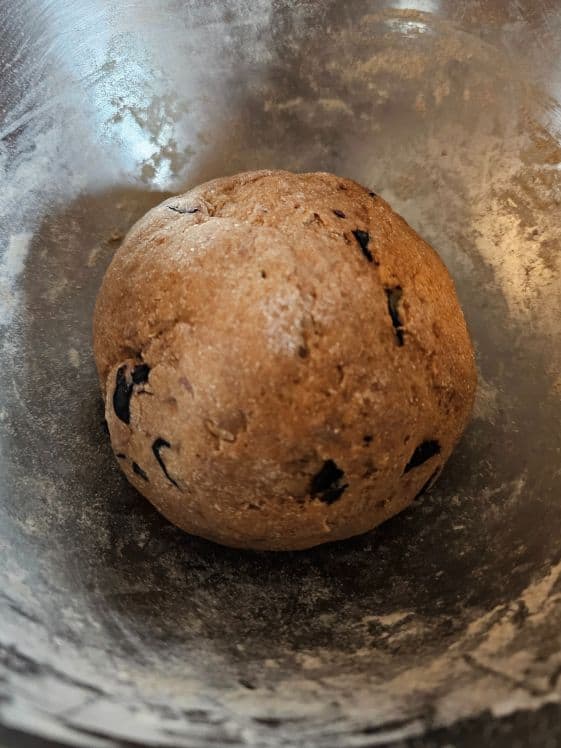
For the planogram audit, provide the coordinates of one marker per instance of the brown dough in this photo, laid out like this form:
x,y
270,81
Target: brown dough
x,y
284,360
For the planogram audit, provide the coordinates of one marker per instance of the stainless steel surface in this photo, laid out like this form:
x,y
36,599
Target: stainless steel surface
x,y
112,623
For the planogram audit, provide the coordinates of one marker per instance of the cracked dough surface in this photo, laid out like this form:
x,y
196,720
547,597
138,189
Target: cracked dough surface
x,y
284,361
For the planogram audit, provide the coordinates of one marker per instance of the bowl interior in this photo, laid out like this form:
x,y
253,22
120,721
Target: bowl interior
x,y
113,624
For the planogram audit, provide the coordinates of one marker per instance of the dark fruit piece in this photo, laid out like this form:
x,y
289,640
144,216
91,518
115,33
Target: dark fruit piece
x,y
140,373
122,395
394,297
139,471
327,484
422,454
363,238
182,210
124,386
158,445
339,214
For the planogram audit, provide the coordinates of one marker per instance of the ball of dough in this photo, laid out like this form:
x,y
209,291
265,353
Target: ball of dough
x,y
283,359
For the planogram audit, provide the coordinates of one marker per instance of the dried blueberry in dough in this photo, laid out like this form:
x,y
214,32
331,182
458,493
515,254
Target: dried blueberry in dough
x,y
137,470
122,395
125,381
394,297
327,484
363,239
425,451
157,447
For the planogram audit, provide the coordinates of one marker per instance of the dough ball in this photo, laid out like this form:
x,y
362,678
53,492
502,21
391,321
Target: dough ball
x,y
283,359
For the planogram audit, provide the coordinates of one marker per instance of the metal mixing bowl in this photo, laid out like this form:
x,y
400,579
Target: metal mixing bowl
x,y
445,622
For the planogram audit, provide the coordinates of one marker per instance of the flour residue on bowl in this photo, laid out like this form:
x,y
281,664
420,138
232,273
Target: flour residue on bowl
x,y
12,264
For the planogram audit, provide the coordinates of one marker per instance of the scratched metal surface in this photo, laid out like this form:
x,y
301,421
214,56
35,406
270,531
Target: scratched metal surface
x,y
114,625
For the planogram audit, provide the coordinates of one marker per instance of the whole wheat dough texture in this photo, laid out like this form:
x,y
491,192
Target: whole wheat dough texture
x,y
283,359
